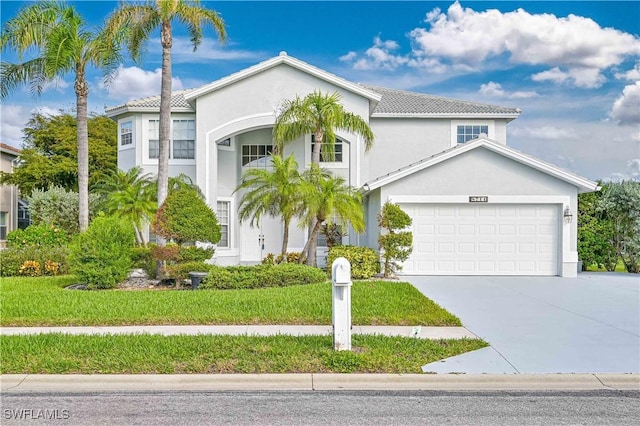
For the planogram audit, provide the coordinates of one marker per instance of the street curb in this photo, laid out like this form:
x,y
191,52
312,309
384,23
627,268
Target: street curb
x,y
16,383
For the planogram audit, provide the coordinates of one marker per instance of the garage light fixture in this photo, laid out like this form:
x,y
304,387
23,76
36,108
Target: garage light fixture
x,y
568,216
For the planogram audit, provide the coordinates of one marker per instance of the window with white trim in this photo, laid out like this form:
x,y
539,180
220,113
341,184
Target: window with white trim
x,y
337,148
126,133
256,156
223,213
3,225
468,132
154,139
184,139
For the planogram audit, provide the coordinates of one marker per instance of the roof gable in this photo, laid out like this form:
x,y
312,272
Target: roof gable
x,y
283,58
583,184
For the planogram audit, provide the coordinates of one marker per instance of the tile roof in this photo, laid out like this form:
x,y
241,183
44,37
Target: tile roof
x,y
10,149
151,102
404,102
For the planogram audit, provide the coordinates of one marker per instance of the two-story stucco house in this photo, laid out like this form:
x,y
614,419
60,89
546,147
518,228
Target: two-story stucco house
x,y
9,155
478,206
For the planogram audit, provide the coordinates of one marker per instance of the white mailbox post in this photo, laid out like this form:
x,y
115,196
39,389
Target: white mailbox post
x,y
341,306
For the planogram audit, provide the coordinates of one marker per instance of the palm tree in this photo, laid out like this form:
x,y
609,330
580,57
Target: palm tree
x,y
327,197
137,22
320,115
273,192
62,42
131,196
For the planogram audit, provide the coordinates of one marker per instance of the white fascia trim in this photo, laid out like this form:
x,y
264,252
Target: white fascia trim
x,y
293,62
133,109
582,183
443,115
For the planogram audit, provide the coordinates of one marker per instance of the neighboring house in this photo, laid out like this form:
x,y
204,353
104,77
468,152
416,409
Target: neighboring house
x,y
479,207
9,156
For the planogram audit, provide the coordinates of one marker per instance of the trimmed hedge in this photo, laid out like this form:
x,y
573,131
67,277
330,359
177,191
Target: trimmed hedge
x,y
180,271
364,260
262,276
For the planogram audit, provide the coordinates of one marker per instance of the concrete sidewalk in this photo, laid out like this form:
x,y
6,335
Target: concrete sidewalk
x,y
250,330
15,383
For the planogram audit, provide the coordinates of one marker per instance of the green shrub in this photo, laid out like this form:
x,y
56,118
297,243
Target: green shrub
x,y
259,276
101,256
58,207
142,258
53,260
364,260
194,254
37,235
180,271
184,216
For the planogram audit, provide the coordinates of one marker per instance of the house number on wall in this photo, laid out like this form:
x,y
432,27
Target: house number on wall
x,y
478,199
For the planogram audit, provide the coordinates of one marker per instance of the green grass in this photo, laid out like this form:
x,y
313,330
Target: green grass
x,y
619,268
45,302
147,354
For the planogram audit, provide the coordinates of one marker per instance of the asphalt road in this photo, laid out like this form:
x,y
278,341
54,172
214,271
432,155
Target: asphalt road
x,y
601,407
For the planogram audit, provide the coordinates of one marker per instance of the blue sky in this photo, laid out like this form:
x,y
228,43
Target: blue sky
x,y
573,67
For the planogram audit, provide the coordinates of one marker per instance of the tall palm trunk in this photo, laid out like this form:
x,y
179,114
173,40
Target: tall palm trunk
x,y
165,114
82,92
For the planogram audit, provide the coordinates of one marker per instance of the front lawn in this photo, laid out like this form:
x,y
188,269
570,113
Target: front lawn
x,y
150,354
45,302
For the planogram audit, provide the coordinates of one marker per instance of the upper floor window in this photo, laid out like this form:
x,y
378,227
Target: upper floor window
x,y
154,138
256,155
3,225
466,133
337,148
126,133
183,140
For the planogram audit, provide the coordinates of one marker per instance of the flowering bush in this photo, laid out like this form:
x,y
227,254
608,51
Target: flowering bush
x,y
42,235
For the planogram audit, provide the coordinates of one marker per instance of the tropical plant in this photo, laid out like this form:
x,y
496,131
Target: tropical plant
x,y
61,42
137,22
50,153
273,192
595,233
319,114
396,245
130,196
326,198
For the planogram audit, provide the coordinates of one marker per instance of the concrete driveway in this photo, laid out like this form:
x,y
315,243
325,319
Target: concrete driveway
x,y
589,324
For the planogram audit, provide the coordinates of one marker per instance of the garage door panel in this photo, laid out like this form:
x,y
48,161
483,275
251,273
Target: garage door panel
x,y
484,239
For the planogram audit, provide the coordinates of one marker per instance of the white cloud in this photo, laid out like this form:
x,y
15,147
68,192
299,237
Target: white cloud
x,y
631,75
14,118
134,83
209,50
580,77
493,89
576,49
542,132
626,109
379,56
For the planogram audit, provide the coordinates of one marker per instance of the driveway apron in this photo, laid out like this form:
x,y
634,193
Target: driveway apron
x,y
589,324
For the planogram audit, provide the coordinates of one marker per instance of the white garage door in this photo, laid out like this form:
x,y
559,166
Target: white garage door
x,y
483,239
